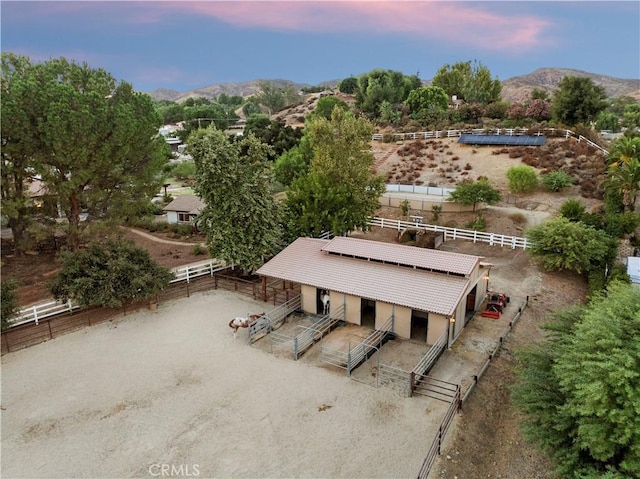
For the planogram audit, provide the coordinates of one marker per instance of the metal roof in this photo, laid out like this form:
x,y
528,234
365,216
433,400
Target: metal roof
x,y
430,259
306,261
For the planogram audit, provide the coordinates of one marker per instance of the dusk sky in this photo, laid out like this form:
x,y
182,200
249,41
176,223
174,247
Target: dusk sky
x,y
184,45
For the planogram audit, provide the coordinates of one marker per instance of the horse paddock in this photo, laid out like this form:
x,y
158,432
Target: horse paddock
x,y
172,393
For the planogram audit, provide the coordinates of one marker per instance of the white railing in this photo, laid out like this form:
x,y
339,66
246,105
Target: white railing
x,y
35,313
187,273
44,310
425,135
493,239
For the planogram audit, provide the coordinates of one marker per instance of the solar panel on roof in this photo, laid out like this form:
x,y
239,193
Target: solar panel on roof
x,y
511,140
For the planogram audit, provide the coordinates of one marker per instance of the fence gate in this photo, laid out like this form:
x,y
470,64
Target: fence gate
x,y
273,319
434,388
395,377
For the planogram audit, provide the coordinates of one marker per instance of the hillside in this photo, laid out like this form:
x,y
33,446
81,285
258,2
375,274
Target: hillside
x,y
513,89
518,89
244,89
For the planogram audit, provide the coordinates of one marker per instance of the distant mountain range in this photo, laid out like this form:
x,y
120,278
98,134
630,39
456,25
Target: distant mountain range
x,y
515,89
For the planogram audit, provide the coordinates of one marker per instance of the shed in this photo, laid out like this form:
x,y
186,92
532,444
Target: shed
x,y
184,209
426,291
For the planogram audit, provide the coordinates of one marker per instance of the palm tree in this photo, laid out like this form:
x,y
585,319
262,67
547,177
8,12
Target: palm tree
x,y
623,149
624,178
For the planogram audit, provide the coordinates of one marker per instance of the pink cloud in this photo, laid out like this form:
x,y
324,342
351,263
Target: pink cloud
x,y
459,23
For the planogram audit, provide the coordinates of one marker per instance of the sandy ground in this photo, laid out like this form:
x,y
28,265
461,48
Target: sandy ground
x,y
173,387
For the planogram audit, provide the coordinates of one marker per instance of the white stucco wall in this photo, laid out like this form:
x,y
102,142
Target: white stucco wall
x,y
172,217
402,321
308,300
437,325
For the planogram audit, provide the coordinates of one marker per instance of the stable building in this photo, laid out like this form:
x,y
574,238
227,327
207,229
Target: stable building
x,y
426,291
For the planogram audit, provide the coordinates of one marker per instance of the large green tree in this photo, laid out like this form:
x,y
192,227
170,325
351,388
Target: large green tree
x,y
294,163
340,191
577,100
19,144
241,219
93,141
348,85
326,104
470,193
109,274
561,244
379,85
275,96
469,81
276,134
580,390
427,99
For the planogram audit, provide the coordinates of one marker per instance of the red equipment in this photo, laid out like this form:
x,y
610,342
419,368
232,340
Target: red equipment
x,y
496,302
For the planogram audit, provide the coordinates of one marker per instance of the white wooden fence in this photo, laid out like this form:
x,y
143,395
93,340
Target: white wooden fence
x,y
493,239
425,135
51,308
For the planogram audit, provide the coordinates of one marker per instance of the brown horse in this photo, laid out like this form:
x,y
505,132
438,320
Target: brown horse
x,y
236,323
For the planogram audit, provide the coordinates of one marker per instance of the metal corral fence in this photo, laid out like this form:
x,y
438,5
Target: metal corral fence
x,y
47,321
429,359
351,358
414,381
503,336
436,445
273,319
307,336
458,401
428,135
493,239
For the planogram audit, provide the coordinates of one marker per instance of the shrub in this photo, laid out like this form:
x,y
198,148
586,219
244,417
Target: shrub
x,y
181,229
621,224
436,210
573,209
556,180
185,171
522,179
8,302
404,206
479,224
198,249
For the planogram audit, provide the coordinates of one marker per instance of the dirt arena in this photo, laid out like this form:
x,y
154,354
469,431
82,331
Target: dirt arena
x,y
171,392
